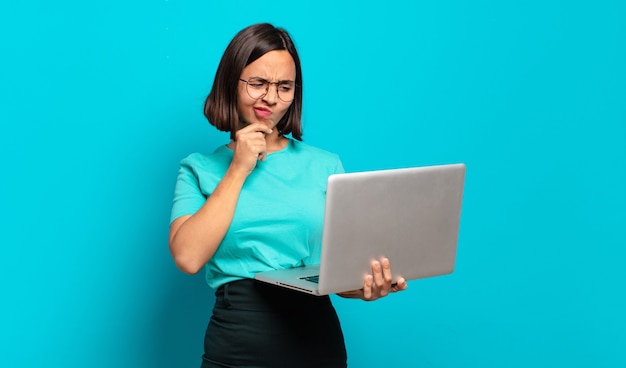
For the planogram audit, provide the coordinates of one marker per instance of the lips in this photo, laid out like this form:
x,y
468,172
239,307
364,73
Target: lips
x,y
262,112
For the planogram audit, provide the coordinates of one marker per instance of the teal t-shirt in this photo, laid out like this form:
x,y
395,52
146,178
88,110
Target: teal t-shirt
x,y
279,216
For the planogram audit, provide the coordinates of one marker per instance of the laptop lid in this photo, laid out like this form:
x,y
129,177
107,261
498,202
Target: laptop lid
x,y
410,216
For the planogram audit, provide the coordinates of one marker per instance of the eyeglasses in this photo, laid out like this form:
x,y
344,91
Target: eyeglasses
x,y
259,87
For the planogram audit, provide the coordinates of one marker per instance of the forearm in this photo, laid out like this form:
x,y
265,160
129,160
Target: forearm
x,y
194,241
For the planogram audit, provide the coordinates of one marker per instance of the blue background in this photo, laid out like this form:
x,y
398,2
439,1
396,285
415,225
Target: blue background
x,y
101,99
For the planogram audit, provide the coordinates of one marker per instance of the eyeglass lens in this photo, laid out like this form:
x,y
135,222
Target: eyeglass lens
x,y
258,87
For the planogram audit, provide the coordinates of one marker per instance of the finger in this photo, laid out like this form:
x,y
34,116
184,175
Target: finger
x,y
261,150
377,273
255,141
381,288
386,276
401,284
386,270
247,152
367,287
250,138
255,127
252,142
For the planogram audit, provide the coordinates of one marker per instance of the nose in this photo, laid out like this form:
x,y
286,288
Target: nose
x,y
272,94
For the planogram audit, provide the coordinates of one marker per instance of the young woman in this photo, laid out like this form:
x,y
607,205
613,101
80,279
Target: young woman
x,y
257,204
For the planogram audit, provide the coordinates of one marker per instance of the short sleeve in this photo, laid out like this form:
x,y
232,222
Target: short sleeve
x,y
188,197
339,168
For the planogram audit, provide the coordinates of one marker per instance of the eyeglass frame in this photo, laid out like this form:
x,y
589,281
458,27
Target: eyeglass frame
x,y
267,90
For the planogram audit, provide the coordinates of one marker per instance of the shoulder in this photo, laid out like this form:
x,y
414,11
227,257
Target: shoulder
x,y
307,149
314,157
202,161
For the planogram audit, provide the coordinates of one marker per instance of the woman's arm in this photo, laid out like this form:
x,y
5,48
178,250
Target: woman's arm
x,y
194,238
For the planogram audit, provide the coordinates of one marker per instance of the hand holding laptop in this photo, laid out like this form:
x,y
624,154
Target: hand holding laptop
x,y
378,284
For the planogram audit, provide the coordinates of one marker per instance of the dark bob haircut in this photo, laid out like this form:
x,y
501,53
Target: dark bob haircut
x,y
220,107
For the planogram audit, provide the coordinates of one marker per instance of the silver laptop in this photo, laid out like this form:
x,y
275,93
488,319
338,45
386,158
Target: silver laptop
x,y
410,216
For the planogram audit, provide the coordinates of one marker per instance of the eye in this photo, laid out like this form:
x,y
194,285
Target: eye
x,y
257,83
285,87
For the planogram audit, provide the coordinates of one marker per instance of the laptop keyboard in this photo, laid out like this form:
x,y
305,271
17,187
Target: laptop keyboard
x,y
314,278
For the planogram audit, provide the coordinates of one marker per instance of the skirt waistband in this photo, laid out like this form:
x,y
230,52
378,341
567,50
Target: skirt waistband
x,y
249,294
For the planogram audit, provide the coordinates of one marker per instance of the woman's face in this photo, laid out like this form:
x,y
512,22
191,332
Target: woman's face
x,y
275,66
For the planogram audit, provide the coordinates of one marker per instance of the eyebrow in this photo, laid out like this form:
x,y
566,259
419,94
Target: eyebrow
x,y
279,82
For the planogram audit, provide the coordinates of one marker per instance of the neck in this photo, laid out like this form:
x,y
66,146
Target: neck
x,y
275,141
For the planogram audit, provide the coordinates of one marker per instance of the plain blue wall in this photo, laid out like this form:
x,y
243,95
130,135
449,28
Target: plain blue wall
x,y
101,99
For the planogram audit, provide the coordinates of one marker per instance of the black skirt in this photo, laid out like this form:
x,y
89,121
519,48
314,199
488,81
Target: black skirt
x,y
260,325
